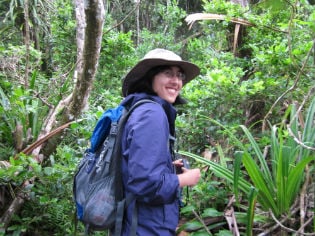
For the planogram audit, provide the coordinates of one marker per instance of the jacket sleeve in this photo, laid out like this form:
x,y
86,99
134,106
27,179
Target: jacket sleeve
x,y
150,173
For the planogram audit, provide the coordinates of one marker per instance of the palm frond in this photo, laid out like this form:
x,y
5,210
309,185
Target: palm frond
x,y
192,18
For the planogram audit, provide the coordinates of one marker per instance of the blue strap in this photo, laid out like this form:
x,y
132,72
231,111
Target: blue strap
x,y
122,205
134,224
119,217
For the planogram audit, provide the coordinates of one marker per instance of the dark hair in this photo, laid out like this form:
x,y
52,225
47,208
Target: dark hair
x,y
144,84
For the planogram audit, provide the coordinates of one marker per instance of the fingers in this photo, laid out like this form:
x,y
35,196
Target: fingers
x,y
184,169
178,162
189,177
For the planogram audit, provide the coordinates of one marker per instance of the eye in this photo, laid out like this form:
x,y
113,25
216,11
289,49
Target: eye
x,y
181,75
168,73
171,74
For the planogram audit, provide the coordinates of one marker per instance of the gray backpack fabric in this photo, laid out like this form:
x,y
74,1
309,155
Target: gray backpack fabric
x,y
97,187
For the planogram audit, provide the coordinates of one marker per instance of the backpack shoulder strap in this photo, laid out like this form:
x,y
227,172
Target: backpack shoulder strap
x,y
125,202
134,106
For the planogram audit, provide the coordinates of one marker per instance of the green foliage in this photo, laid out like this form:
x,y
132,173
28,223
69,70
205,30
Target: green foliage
x,y
277,177
12,18
240,90
171,18
20,105
251,211
62,40
279,183
13,60
216,94
50,209
223,7
117,54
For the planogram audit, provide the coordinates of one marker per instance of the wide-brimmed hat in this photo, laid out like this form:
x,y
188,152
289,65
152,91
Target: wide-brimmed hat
x,y
158,57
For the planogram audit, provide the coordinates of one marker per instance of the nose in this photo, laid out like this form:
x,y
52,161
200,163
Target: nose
x,y
176,80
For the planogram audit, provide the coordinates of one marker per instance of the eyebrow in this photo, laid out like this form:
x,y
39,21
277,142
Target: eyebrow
x,y
180,69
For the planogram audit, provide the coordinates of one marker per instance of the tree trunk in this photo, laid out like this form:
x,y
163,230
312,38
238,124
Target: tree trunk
x,y
90,20
27,42
87,62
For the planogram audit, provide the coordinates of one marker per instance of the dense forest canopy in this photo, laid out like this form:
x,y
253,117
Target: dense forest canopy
x,y
248,123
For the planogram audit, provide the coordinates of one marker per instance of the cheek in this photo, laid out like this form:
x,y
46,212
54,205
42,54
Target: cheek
x,y
156,83
180,84
154,86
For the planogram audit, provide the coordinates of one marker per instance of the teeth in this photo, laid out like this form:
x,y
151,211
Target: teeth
x,y
172,90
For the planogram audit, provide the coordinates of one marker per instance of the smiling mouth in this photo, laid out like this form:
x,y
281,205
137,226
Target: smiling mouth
x,y
172,90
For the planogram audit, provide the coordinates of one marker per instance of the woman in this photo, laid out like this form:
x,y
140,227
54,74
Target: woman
x,y
148,159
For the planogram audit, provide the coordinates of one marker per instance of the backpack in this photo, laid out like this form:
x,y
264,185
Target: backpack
x,y
97,186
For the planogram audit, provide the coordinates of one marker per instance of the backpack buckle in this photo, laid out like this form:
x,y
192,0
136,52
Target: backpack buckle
x,y
114,128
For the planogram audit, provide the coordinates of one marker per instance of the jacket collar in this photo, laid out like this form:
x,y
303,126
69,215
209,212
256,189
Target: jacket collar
x,y
168,108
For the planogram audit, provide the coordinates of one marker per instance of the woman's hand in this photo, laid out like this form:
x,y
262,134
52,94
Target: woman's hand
x,y
178,163
189,177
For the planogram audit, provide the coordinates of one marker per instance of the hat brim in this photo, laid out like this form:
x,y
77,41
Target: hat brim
x,y
138,71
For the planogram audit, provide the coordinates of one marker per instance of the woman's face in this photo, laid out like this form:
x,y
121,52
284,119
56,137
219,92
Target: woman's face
x,y
168,83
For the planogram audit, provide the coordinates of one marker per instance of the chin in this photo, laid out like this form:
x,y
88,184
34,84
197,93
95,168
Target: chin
x,y
171,100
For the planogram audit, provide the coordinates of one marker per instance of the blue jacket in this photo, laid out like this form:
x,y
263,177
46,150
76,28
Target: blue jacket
x,y
147,167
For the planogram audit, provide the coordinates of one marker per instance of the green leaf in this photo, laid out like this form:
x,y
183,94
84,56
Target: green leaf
x,y
219,170
309,129
224,233
211,212
266,192
251,211
237,171
48,171
295,177
192,225
187,209
266,172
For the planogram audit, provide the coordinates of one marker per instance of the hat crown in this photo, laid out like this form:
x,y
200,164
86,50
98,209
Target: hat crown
x,y
160,53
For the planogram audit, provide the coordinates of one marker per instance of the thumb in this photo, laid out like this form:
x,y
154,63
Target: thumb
x,y
184,169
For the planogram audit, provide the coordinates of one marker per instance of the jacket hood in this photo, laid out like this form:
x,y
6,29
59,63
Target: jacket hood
x,y
168,108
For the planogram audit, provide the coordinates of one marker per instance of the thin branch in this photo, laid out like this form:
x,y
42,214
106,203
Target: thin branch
x,y
289,229
202,222
271,228
296,139
230,217
122,21
138,21
37,95
27,42
290,26
40,141
195,35
51,117
304,225
302,200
